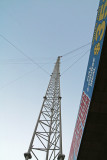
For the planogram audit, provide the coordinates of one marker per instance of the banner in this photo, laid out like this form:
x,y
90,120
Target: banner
x,y
96,48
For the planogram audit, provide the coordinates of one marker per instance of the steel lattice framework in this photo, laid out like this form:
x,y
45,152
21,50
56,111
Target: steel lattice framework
x,y
46,142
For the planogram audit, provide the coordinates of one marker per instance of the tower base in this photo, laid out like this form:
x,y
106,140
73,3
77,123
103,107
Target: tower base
x,y
27,155
61,157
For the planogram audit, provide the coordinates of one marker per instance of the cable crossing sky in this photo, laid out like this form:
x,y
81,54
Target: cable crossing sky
x,y
38,64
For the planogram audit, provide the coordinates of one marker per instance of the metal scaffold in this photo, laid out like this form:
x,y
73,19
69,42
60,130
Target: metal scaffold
x,y
46,142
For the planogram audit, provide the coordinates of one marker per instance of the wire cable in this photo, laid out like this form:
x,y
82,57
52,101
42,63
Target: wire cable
x,y
13,81
28,57
23,63
72,56
18,78
75,49
75,62
40,60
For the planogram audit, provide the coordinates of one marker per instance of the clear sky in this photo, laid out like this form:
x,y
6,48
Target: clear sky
x,y
43,30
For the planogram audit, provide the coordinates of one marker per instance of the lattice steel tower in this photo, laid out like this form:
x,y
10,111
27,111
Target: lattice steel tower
x,y
46,142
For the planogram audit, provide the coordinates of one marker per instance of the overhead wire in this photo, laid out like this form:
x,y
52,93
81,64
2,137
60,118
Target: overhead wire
x,y
22,61
2,63
18,78
28,57
13,81
40,60
72,56
72,51
75,62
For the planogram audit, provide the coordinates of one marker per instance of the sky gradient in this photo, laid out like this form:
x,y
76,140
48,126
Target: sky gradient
x,y
42,30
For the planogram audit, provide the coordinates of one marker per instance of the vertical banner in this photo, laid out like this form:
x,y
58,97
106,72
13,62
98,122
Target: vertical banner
x,y
95,53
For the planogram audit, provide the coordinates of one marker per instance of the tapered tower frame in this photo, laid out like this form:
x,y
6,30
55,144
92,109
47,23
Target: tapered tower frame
x,y
47,136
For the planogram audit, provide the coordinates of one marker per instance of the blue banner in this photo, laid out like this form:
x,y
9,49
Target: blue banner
x,y
95,53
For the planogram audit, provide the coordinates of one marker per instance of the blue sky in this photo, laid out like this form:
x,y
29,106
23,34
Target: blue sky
x,y
43,30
